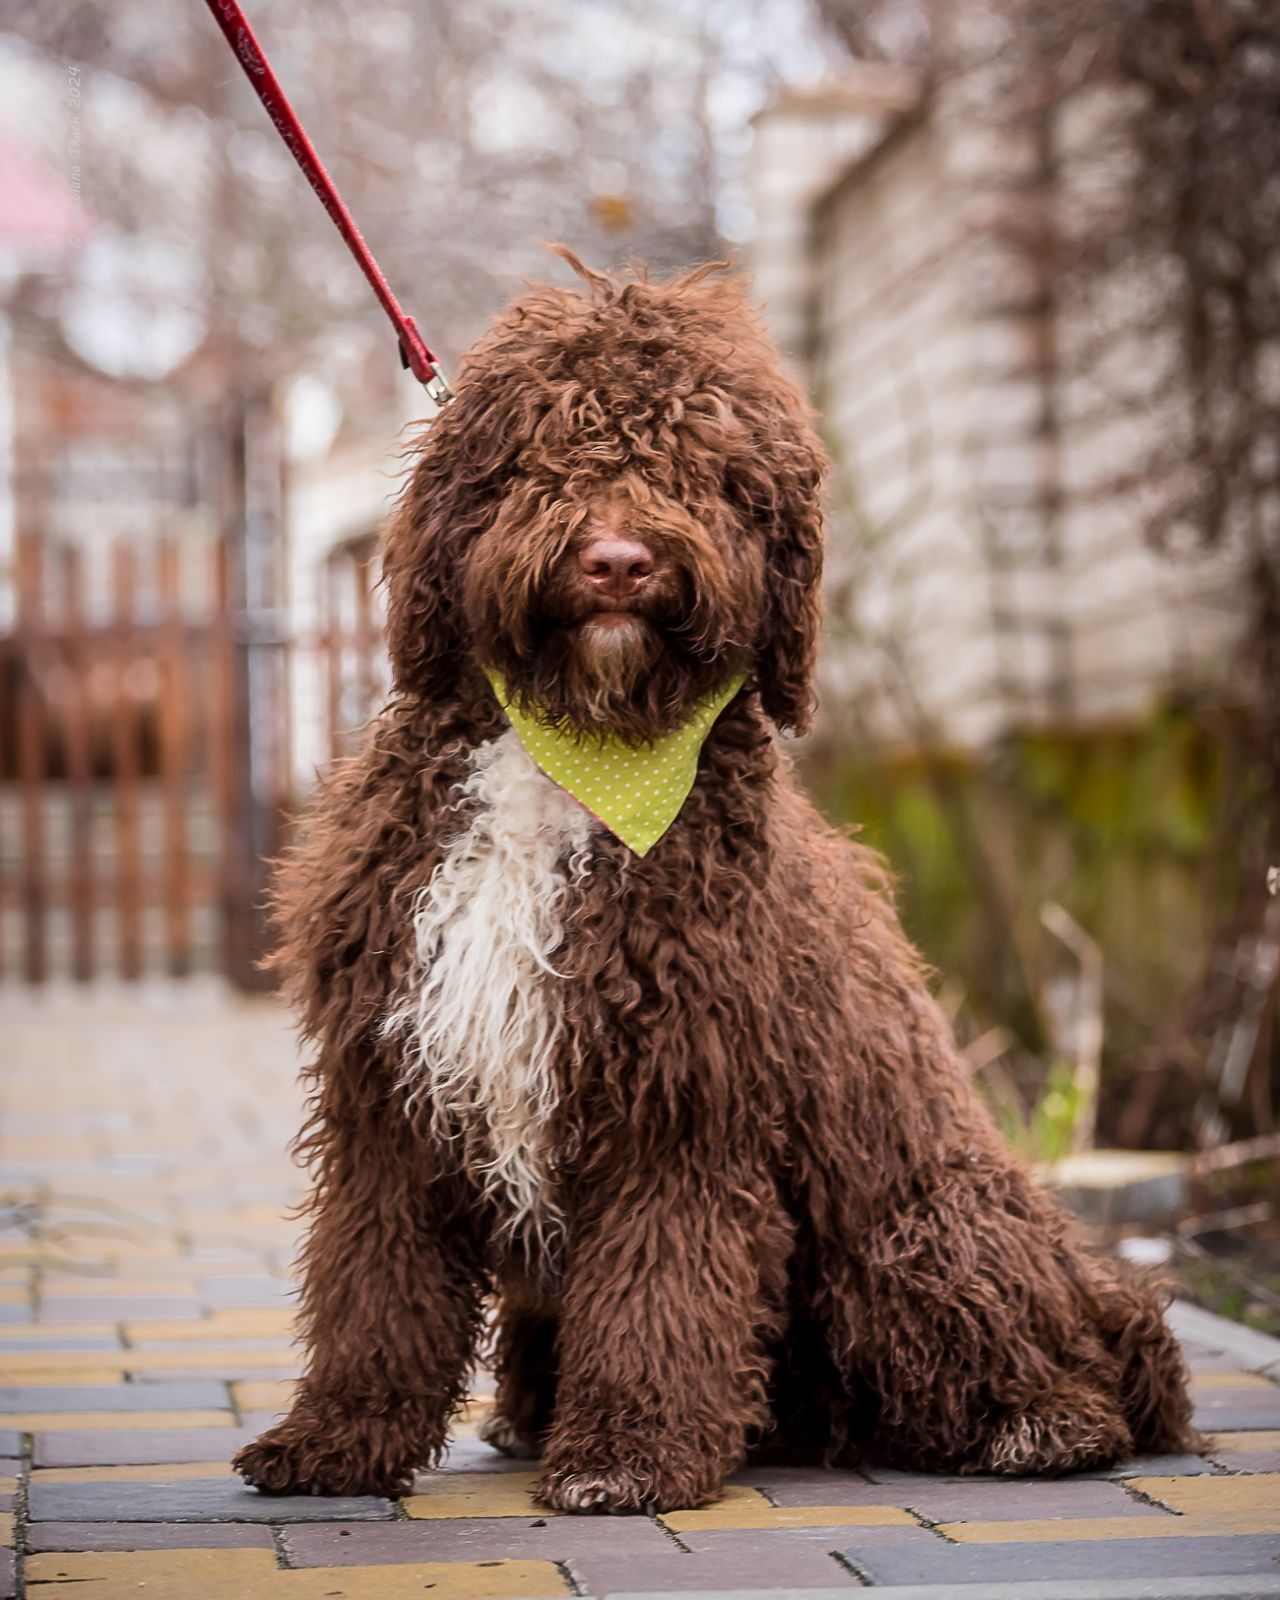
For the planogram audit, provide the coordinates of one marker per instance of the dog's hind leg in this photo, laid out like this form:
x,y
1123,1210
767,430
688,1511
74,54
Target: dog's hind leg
x,y
977,1331
526,1366
1153,1374
391,1297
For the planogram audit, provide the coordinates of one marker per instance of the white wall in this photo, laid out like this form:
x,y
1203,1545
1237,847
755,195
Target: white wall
x,y
979,577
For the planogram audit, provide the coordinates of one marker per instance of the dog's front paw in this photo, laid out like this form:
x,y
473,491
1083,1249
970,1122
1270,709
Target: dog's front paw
x,y
613,1490
312,1457
500,1433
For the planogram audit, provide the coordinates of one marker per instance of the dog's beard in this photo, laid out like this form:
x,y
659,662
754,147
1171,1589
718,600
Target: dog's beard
x,y
616,674
615,653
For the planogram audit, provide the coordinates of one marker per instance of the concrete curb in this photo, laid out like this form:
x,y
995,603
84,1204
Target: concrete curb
x,y
1258,1352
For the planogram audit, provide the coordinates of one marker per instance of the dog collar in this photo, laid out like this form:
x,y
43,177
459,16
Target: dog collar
x,y
636,791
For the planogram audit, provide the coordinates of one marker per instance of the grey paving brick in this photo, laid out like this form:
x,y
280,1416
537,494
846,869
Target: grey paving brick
x,y
782,1564
148,1536
1020,1500
181,1396
474,1539
724,1541
236,1291
110,1308
8,1576
472,1455
1196,1327
821,1481
246,1347
259,1421
1135,1466
1248,1460
45,1344
138,1447
225,1373
190,1500
10,1442
1211,1556
1257,1587
1219,1409
1153,1467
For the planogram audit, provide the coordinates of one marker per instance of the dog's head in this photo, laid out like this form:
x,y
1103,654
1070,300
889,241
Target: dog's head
x,y
618,511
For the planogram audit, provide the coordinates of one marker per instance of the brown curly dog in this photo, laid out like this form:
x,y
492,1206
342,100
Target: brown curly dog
x,y
693,1115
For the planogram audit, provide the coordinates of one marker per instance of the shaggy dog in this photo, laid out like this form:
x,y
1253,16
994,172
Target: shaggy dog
x,y
692,1116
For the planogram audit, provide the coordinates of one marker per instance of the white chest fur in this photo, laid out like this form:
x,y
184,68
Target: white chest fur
x,y
484,1011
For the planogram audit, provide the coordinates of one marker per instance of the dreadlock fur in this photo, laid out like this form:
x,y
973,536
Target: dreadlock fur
x,y
707,1135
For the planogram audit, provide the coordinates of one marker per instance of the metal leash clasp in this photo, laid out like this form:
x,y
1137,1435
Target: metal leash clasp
x,y
437,385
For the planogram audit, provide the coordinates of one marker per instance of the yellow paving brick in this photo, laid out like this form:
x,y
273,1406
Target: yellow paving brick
x,y
78,1284
1230,1380
6,1529
168,1472
11,1296
744,1508
240,1216
14,1361
1201,1495
68,1149
8,1485
24,1333
22,1259
1262,1442
1087,1529
107,1421
157,1242
476,1494
253,1575
90,1572
38,1377
266,1322
263,1394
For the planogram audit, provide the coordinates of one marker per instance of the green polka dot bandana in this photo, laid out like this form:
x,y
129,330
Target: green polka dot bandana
x,y
636,791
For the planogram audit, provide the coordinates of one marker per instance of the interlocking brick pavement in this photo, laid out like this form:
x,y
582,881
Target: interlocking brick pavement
x,y
145,1324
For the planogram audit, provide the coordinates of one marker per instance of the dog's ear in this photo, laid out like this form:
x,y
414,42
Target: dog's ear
x,y
418,553
780,487
463,456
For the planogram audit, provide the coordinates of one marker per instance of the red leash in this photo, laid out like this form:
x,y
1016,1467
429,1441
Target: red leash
x,y
414,350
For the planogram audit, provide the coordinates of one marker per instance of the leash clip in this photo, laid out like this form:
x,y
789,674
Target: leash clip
x,y
437,385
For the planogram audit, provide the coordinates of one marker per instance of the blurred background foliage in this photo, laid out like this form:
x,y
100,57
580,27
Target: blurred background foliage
x,y
1133,831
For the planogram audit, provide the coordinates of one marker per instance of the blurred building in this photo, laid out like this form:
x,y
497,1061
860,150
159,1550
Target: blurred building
x,y
988,568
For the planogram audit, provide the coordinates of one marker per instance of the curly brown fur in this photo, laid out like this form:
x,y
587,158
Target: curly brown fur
x,y
788,1223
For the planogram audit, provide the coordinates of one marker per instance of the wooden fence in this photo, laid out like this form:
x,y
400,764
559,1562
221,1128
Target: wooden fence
x,y
147,751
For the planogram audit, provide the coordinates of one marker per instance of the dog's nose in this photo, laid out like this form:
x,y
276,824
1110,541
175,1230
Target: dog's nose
x,y
616,568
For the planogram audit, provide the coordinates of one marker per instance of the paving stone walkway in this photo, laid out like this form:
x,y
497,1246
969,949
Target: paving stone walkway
x,y
145,1333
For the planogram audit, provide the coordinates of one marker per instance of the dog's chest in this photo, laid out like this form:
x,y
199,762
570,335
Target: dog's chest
x,y
485,1013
